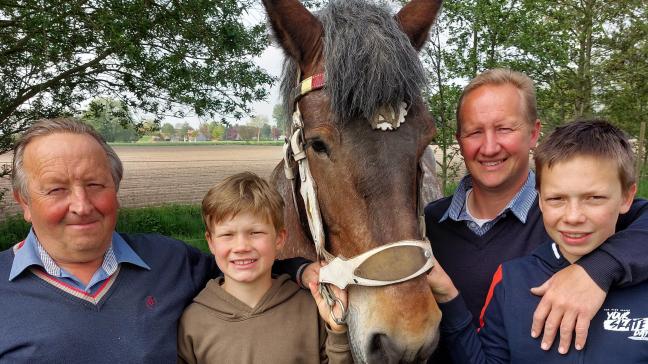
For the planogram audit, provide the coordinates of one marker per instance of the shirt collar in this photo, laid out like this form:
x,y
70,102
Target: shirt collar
x,y
30,252
519,205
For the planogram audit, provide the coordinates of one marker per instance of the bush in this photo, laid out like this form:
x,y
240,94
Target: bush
x,y
13,230
182,222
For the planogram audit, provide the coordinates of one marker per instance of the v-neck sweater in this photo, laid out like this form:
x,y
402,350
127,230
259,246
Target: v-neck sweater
x,y
471,260
131,319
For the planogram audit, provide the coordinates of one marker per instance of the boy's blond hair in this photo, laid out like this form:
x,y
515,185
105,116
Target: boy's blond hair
x,y
242,192
593,138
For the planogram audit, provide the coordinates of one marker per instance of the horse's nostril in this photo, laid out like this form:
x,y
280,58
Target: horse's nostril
x,y
383,350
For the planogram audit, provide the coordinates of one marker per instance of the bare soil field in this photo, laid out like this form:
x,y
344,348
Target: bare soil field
x,y
155,175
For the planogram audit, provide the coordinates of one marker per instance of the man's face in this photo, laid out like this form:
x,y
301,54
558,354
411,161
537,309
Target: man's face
x,y
496,137
72,197
245,247
581,199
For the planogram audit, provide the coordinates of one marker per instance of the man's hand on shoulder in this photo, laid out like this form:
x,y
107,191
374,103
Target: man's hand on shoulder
x,y
570,299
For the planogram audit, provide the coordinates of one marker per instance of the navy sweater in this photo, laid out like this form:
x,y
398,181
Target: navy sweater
x,y
617,334
134,322
471,260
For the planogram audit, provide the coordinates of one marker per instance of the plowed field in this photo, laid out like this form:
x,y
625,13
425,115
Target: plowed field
x,y
156,175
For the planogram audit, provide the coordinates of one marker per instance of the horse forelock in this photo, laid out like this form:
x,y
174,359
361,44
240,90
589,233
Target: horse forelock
x,y
369,62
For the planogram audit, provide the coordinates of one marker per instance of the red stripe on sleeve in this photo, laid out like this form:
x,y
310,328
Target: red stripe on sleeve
x,y
497,278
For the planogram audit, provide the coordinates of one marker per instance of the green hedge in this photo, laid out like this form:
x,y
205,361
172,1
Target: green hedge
x,y
179,221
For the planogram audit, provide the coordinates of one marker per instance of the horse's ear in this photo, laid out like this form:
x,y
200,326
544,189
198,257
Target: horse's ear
x,y
297,30
416,18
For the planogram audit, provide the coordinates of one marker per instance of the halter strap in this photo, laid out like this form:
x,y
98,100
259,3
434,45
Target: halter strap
x,y
312,83
294,152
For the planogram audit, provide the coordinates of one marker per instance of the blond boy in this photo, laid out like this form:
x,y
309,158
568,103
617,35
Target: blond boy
x,y
585,179
247,315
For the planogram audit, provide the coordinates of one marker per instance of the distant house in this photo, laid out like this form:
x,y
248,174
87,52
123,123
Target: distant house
x,y
202,137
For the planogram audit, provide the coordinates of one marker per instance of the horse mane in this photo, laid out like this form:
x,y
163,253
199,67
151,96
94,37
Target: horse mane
x,y
369,62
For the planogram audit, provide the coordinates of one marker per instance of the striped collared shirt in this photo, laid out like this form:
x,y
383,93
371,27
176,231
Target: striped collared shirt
x,y
518,206
32,253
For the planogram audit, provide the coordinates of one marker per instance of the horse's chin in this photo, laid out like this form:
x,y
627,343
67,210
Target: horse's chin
x,y
377,336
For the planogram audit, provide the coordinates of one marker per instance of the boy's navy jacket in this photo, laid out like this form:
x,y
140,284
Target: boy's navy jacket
x,y
617,334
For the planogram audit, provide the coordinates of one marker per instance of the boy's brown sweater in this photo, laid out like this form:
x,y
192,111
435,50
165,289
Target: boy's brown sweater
x,y
284,327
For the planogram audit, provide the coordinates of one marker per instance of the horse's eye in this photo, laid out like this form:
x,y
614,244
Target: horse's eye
x,y
319,146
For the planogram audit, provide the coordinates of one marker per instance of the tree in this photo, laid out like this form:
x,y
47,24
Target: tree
x,y
622,89
112,119
184,131
247,132
168,130
266,132
153,56
216,130
258,122
276,133
203,128
279,117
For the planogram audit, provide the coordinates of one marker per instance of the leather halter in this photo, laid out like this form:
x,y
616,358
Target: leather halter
x,y
294,150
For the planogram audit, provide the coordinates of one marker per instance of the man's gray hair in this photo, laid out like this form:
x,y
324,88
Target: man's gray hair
x,y
46,127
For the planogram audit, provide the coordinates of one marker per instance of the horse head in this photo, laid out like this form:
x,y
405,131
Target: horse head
x,y
352,81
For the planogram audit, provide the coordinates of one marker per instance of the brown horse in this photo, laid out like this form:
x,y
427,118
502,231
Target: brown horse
x,y
363,127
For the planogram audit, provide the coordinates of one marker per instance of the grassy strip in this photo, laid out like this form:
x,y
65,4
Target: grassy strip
x,y
190,144
182,222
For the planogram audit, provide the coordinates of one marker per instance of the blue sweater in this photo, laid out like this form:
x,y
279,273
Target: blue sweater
x,y
617,334
471,260
134,321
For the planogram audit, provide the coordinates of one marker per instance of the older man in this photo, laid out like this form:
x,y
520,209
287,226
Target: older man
x,y
494,216
77,291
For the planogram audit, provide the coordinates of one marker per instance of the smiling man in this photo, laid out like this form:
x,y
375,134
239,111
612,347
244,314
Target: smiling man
x,y
76,291
494,216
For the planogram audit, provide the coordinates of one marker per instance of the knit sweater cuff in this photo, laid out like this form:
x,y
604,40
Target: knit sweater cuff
x,y
602,268
455,315
337,339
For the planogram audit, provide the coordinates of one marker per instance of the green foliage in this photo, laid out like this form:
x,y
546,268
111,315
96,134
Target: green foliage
x,y
587,58
217,130
168,130
183,131
153,56
179,221
280,120
112,119
642,187
247,132
13,230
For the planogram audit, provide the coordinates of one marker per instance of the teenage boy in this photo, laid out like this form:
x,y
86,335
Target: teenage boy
x,y
585,179
247,315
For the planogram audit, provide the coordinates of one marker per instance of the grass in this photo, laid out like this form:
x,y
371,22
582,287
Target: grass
x,y
182,222
190,144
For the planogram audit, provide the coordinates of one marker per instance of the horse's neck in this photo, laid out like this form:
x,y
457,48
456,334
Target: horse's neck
x,y
298,244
